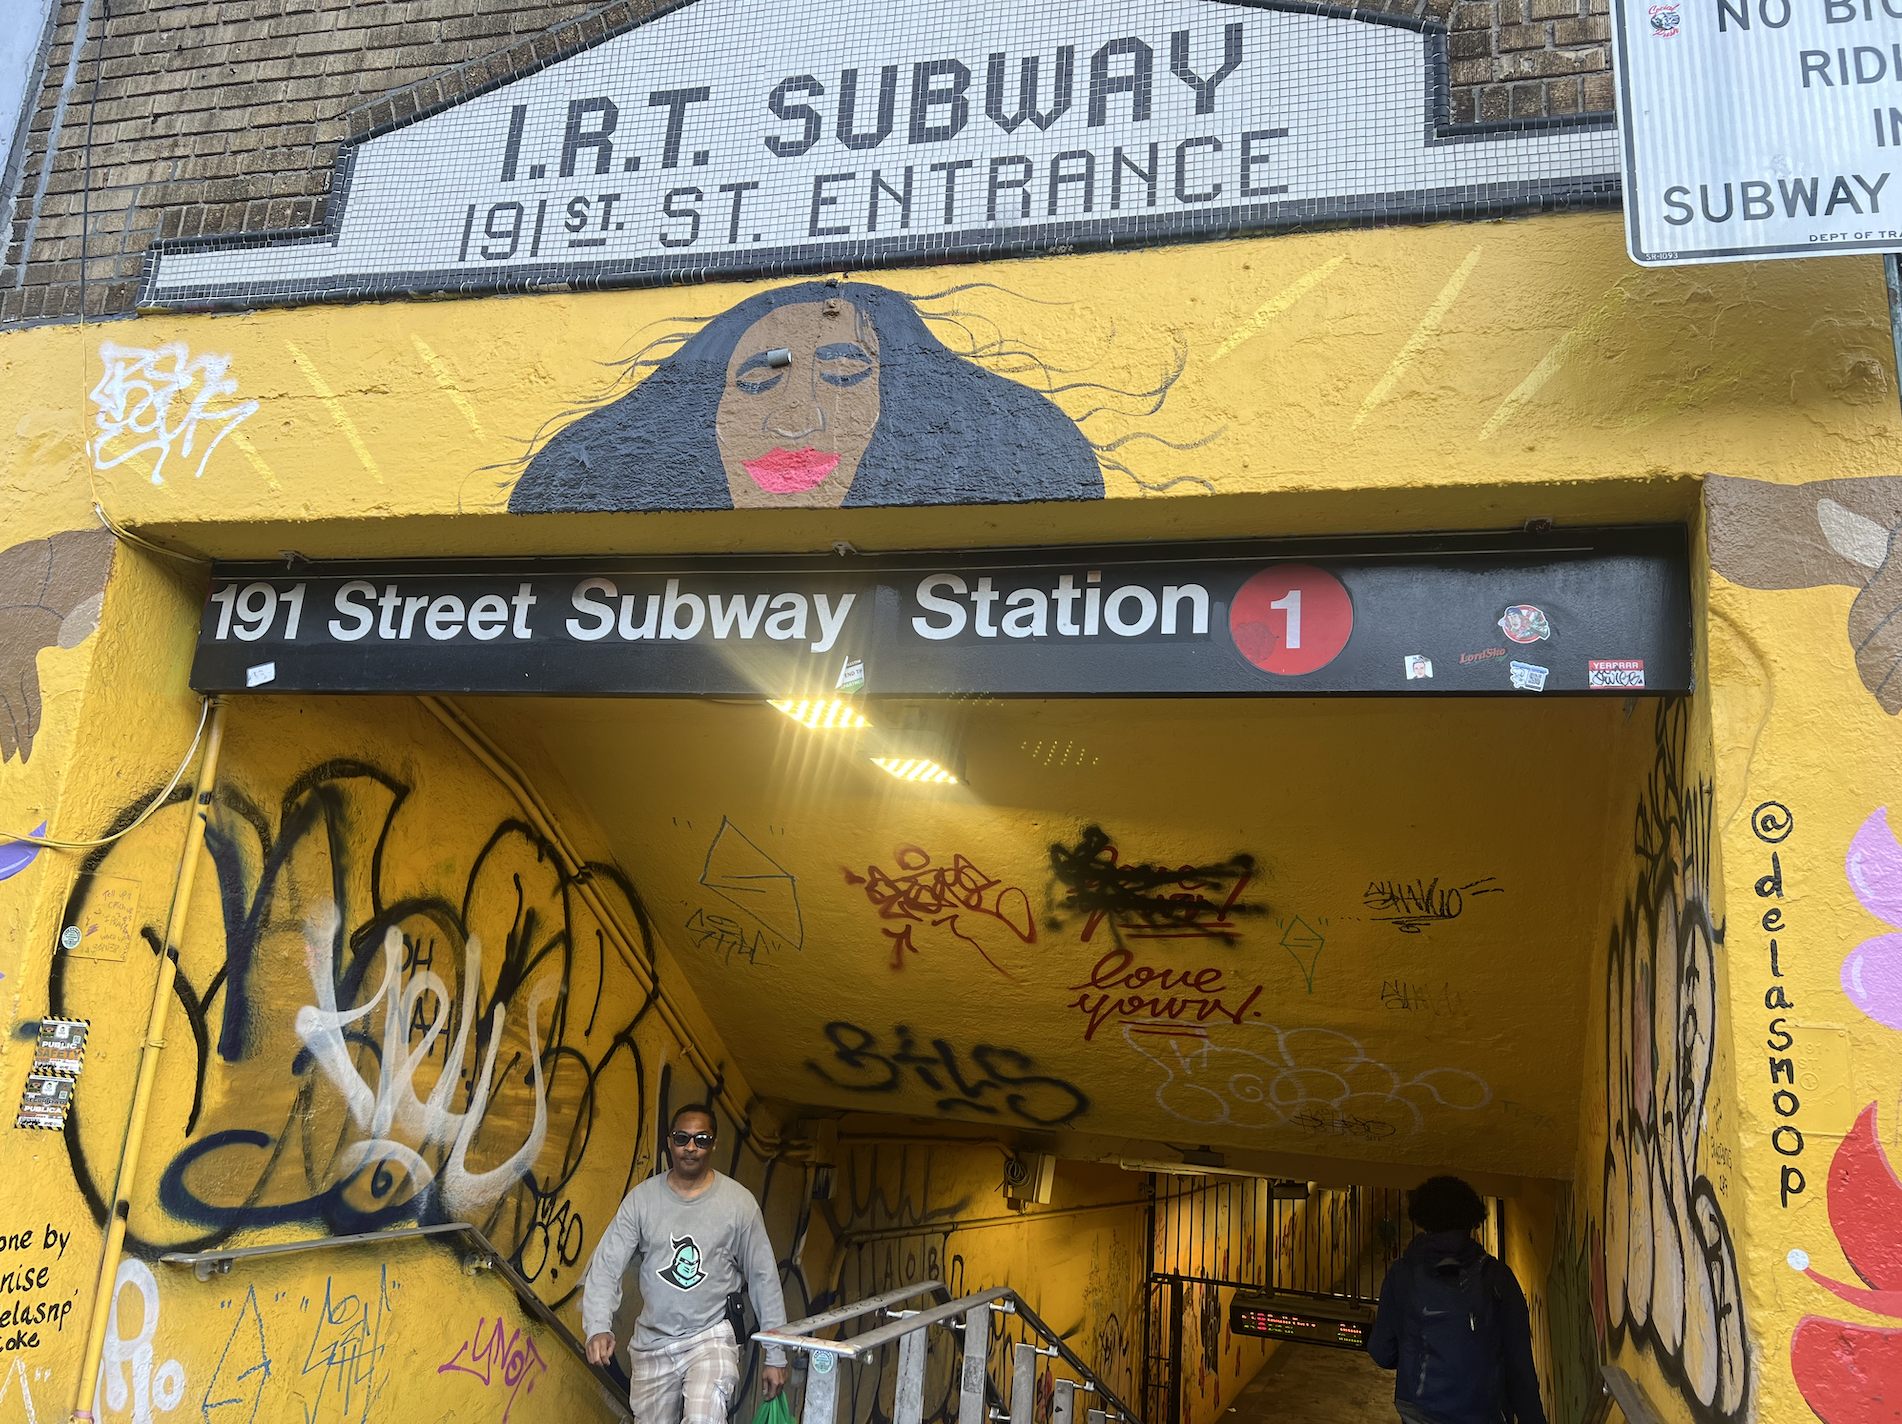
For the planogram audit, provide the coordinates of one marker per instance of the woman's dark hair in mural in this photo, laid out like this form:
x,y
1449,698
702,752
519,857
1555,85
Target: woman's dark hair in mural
x,y
928,427
1445,1204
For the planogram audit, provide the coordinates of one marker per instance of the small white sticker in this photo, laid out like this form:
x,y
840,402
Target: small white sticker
x,y
1615,672
852,675
70,937
1528,677
1418,666
261,674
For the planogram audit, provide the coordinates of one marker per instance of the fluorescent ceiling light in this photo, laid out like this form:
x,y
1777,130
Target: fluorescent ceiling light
x,y
919,769
1189,1169
822,715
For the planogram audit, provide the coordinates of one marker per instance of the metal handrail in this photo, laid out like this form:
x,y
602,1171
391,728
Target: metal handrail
x,y
205,1263
483,1258
826,1357
868,1306
859,1348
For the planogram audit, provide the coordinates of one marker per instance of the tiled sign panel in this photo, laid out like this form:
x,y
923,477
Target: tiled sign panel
x,y
733,137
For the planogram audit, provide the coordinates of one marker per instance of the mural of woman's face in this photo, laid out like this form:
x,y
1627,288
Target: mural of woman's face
x,y
793,435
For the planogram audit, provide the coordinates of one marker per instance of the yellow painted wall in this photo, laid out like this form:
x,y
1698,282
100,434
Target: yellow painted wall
x,y
1440,377
336,824
1462,363
905,1209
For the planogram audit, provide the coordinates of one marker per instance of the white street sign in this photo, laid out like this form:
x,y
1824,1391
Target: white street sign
x,y
1760,128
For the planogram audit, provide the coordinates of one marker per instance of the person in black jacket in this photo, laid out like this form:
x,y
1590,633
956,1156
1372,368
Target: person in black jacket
x,y
1452,1322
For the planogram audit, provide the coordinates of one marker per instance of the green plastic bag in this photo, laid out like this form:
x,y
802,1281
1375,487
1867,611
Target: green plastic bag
x,y
774,1411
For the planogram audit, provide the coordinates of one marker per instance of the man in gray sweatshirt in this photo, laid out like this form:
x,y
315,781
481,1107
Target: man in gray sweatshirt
x,y
697,1234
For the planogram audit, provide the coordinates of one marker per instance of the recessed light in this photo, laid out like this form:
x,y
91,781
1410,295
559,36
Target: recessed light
x,y
919,769
822,715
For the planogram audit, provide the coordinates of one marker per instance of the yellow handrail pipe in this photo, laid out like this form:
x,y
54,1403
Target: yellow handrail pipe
x,y
188,858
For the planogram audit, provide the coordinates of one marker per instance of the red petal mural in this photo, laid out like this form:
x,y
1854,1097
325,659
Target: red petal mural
x,y
1850,1374
1865,1205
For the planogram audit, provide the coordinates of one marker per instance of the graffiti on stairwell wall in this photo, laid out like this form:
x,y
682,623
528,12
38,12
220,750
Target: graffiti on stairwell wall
x,y
391,1007
1671,1285
414,1024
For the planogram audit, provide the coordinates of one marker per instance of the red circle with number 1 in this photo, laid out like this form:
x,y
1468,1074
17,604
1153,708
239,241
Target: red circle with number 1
x,y
1291,618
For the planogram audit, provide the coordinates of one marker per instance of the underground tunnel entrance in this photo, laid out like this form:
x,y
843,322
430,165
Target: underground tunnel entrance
x,y
1284,861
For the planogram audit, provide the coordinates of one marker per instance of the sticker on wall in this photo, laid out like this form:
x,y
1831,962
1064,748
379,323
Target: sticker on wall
x,y
45,1102
1615,672
1417,666
106,922
60,1046
1528,677
1483,655
59,1052
1524,623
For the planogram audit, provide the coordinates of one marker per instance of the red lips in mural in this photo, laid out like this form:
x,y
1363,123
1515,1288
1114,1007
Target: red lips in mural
x,y
1852,1374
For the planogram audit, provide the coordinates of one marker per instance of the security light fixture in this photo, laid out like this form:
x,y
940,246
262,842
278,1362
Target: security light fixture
x,y
920,769
1187,1169
822,715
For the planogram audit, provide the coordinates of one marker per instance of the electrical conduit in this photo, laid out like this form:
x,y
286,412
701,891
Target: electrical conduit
x,y
188,858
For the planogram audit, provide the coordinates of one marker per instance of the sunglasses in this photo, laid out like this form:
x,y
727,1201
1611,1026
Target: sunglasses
x,y
702,1140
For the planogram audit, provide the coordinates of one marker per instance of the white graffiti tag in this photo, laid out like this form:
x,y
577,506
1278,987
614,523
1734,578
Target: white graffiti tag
x,y
161,401
1311,1079
150,1389
392,1107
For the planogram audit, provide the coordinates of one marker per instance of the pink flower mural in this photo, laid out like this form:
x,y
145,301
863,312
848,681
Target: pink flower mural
x,y
1872,974
1851,1373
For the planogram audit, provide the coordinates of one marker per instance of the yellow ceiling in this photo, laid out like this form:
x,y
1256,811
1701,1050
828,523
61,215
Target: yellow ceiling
x,y
1401,978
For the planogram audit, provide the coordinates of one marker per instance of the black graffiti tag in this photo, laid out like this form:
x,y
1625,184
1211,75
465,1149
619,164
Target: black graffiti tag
x,y
1003,1072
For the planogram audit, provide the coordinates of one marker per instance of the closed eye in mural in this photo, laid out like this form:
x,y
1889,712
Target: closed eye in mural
x,y
819,395
1827,532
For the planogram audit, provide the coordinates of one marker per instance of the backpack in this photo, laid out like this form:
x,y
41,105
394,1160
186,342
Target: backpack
x,y
1452,1363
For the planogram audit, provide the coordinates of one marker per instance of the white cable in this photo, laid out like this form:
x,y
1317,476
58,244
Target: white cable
x,y
50,843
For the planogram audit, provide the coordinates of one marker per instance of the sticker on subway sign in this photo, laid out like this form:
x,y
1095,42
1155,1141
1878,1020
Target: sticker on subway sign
x,y
1529,677
1615,672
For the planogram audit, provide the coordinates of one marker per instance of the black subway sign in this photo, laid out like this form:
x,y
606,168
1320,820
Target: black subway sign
x,y
1596,611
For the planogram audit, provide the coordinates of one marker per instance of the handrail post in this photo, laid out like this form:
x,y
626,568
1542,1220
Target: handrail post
x,y
822,1387
976,1370
1023,1383
908,1399
162,989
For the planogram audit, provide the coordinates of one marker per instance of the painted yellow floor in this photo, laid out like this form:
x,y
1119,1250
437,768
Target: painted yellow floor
x,y
1316,1386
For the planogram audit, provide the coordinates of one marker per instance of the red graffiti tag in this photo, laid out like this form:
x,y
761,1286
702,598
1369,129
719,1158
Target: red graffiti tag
x,y
521,1364
1142,992
943,895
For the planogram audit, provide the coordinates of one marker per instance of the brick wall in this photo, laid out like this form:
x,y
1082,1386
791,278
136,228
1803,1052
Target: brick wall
x,y
225,117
